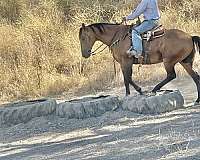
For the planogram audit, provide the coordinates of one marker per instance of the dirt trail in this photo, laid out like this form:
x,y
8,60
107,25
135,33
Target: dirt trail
x,y
187,88
185,85
115,135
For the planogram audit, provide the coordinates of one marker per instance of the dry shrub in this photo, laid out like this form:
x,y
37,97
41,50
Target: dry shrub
x,y
40,50
10,10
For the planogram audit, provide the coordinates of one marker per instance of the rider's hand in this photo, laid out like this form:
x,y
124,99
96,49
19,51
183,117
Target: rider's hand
x,y
138,22
123,19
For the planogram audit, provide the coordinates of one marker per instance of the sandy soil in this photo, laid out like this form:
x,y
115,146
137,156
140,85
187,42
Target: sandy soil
x,y
115,135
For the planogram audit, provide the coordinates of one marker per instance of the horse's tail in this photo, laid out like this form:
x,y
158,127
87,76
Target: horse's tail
x,y
196,41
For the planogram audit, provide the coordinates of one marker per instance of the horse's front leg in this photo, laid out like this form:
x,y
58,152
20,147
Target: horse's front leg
x,y
126,81
127,74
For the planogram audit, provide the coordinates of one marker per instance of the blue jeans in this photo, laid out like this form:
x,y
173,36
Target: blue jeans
x,y
143,27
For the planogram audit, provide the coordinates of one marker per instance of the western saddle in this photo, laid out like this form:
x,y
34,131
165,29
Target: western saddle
x,y
156,32
148,36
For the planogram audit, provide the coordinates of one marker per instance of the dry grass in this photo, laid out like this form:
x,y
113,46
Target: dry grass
x,y
39,46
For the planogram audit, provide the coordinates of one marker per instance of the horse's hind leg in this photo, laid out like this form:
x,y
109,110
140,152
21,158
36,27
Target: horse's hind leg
x,y
171,74
127,74
194,75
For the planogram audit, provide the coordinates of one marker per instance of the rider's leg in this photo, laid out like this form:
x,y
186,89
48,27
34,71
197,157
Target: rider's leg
x,y
146,25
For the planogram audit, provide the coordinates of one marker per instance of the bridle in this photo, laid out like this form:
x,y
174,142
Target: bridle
x,y
113,43
109,46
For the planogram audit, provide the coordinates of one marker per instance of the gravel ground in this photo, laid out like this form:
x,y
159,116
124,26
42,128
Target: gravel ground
x,y
115,135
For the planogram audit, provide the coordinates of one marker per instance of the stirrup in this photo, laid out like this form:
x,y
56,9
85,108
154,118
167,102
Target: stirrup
x,y
131,52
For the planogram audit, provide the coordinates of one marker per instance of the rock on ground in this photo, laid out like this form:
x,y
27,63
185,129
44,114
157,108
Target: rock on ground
x,y
161,102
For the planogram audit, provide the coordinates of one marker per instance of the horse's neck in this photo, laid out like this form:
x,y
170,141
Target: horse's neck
x,y
109,35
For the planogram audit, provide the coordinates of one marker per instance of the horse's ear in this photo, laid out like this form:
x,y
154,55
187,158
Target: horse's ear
x,y
83,25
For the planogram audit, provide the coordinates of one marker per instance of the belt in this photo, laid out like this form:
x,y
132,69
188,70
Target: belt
x,y
152,19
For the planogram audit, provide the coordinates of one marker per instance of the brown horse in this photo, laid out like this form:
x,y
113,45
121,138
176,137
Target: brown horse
x,y
174,47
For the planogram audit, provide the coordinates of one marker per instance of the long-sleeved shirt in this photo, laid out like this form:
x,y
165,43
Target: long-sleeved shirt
x,y
149,9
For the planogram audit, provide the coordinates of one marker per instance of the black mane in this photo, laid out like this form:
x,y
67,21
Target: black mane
x,y
98,26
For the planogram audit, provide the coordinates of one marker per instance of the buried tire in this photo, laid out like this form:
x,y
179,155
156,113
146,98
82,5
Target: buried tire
x,y
87,107
14,113
164,101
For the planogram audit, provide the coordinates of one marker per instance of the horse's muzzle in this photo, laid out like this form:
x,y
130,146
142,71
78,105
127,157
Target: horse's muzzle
x,y
86,54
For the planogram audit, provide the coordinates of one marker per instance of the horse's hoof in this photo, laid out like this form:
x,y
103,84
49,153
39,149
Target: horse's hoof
x,y
145,92
155,90
140,91
127,95
151,94
196,103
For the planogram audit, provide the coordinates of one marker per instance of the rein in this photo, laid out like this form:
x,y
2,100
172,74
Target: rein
x,y
112,44
115,42
94,52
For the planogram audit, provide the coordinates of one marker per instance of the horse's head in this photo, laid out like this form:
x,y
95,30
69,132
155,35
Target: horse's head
x,y
87,40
